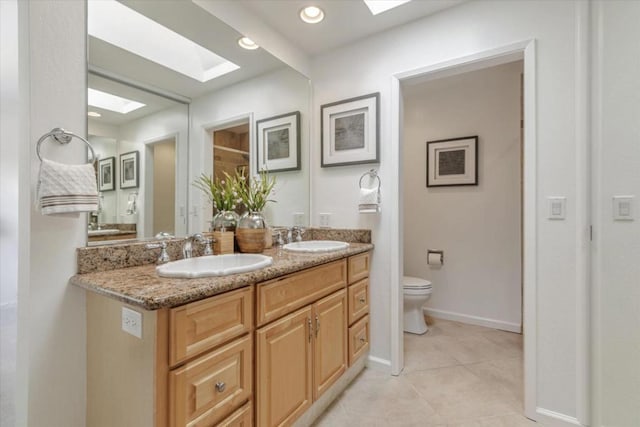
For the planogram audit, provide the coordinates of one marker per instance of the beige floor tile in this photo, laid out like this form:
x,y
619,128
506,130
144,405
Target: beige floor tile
x,y
508,373
510,420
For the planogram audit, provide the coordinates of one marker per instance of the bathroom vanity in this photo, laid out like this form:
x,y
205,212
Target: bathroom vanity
x,y
270,347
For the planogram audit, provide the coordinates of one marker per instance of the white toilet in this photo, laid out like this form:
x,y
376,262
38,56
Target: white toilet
x,y
416,293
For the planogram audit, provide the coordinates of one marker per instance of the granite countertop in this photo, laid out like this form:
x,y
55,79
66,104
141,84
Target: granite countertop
x,y
142,287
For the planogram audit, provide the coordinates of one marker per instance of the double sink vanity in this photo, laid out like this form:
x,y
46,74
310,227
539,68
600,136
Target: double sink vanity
x,y
268,347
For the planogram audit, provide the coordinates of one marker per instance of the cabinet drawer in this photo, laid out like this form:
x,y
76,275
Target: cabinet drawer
x,y
358,300
243,417
205,390
358,267
358,339
202,325
282,296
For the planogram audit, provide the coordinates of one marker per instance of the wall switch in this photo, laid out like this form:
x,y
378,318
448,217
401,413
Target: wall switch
x,y
325,220
623,208
298,219
132,322
557,207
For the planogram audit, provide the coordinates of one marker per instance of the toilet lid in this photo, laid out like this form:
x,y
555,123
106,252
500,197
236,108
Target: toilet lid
x,y
415,283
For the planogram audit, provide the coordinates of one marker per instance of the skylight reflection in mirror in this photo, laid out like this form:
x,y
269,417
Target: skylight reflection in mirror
x,y
114,23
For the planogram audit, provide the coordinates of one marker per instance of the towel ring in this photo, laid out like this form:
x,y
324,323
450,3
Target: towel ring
x,y
64,137
373,174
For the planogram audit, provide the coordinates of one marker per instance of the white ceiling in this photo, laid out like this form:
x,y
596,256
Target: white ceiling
x,y
345,20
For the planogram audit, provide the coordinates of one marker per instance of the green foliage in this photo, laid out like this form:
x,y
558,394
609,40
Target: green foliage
x,y
255,191
223,193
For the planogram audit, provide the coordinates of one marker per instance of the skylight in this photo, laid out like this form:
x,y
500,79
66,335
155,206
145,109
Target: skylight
x,y
379,6
111,102
114,23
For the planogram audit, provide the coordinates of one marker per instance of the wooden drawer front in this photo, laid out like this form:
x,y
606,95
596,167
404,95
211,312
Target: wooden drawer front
x,y
358,339
358,300
204,391
358,267
283,296
202,325
243,417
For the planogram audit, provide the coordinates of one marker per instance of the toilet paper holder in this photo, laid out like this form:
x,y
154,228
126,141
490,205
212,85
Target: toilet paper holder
x,y
435,252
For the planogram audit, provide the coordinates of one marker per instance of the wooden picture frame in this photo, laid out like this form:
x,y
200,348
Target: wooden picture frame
x,y
107,174
130,169
350,131
452,162
278,140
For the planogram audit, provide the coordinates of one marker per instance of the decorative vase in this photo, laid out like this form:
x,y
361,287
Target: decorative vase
x,y
225,221
250,232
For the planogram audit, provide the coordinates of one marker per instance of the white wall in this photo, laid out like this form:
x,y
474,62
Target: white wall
x,y
280,92
464,30
616,159
104,148
478,227
51,323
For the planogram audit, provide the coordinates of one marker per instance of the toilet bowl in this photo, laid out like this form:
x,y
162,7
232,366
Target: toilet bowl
x,y
416,292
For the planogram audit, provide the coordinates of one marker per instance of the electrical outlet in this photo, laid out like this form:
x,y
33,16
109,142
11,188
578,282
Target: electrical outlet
x,y
132,322
298,219
325,220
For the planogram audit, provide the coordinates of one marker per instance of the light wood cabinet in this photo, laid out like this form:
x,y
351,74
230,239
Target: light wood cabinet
x,y
358,300
358,339
284,369
204,391
299,357
359,267
243,417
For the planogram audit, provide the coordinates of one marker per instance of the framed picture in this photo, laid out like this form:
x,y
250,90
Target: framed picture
x,y
349,131
106,174
279,143
452,162
129,170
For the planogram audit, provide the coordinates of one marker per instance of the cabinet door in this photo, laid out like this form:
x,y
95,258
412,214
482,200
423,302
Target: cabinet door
x,y
284,372
330,344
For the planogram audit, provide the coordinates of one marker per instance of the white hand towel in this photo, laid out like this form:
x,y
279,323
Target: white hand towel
x,y
369,201
66,188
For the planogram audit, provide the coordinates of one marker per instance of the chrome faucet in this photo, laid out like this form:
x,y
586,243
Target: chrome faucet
x,y
298,231
187,247
162,245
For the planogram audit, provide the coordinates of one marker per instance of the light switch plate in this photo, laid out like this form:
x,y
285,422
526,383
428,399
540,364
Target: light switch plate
x,y
557,207
623,208
132,322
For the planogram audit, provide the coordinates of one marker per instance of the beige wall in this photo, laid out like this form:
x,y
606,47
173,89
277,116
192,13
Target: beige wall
x,y
478,227
164,183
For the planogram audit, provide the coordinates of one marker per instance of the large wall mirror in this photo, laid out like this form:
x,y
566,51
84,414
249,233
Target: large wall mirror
x,y
201,110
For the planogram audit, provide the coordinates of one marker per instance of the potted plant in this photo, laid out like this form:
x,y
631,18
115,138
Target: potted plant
x,y
254,194
223,195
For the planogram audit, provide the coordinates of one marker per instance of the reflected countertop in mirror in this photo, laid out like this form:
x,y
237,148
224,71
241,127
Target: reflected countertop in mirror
x,y
150,156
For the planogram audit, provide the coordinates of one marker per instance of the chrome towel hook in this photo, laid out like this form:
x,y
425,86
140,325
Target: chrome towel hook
x,y
372,173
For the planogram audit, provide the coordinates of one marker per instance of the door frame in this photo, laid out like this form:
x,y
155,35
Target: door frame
x,y
521,50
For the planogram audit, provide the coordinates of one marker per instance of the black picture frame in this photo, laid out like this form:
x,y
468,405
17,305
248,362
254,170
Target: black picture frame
x,y
278,143
130,170
452,162
107,174
350,131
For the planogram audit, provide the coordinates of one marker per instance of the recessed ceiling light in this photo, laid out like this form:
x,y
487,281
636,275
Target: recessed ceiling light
x,y
311,14
116,24
379,6
112,102
247,43
94,114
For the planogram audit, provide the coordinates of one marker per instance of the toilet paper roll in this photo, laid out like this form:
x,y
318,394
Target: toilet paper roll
x,y
434,258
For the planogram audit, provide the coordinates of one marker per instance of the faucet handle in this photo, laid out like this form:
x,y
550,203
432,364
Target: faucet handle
x,y
164,256
207,248
164,235
300,231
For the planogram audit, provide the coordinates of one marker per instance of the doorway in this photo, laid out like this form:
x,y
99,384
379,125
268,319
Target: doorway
x,y
164,183
518,51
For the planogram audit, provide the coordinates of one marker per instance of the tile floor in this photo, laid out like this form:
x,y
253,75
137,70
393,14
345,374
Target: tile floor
x,y
456,375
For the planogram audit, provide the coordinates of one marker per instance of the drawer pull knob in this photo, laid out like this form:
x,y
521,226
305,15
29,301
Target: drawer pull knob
x,y
362,300
363,339
220,386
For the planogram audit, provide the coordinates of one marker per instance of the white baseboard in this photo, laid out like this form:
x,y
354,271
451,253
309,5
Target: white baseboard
x,y
473,320
378,364
555,419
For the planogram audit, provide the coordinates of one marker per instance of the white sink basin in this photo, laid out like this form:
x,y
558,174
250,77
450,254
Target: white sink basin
x,y
214,265
102,232
316,246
